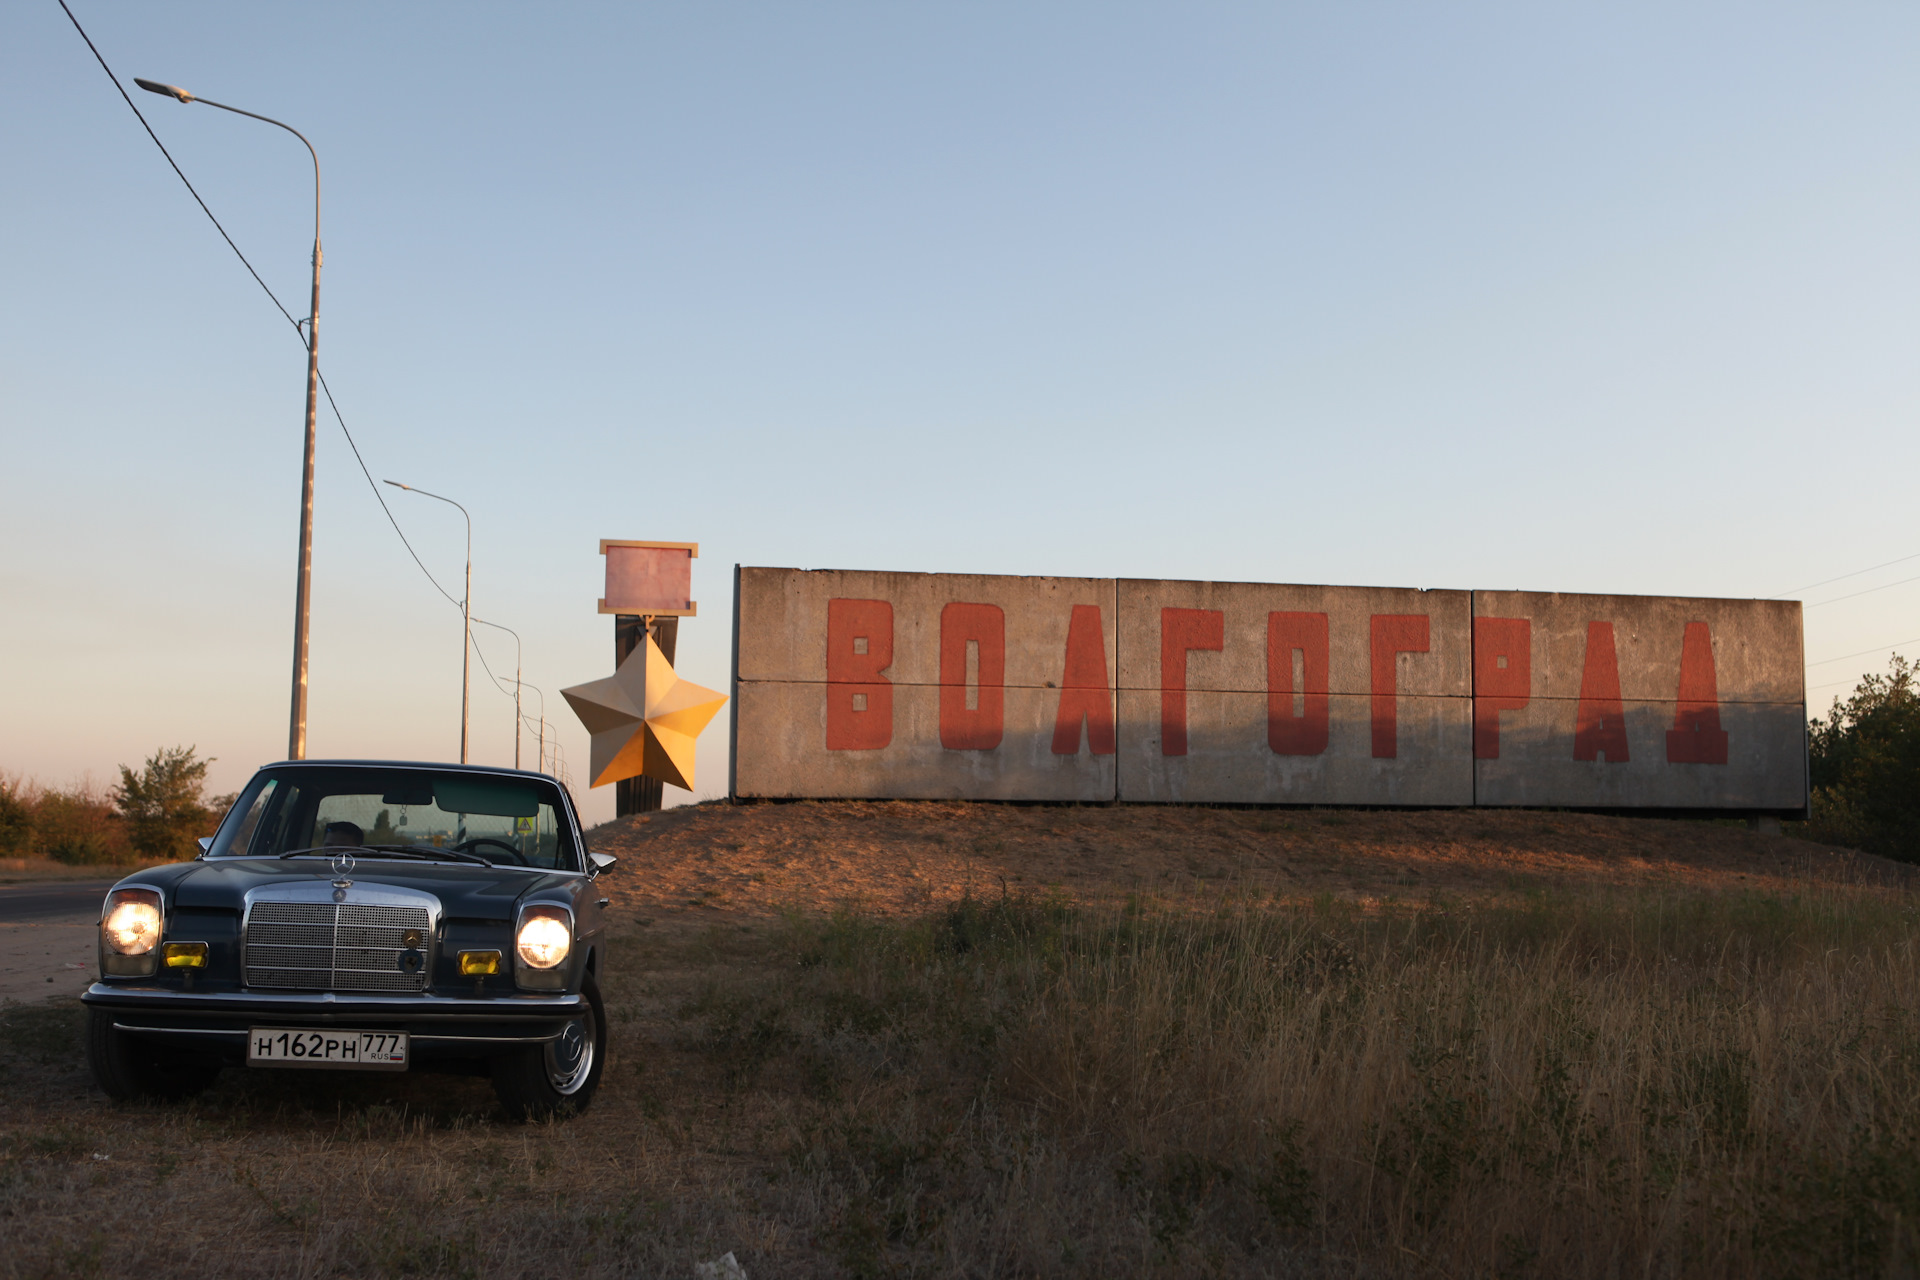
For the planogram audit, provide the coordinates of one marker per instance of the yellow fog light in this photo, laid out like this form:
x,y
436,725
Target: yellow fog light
x,y
185,955
478,964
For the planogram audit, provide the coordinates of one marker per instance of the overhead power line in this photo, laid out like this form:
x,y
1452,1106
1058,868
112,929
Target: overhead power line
x,y
1831,684
1843,577
264,288
380,497
1869,591
296,325
1879,648
176,168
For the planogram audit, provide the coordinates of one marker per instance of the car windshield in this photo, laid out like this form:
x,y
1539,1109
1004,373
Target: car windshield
x,y
516,822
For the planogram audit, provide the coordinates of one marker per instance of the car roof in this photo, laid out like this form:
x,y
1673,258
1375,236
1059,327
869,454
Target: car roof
x,y
440,765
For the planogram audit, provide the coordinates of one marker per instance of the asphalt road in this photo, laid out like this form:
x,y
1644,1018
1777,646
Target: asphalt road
x,y
20,903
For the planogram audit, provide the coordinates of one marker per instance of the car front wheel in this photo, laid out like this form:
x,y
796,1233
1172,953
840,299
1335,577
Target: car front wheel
x,y
130,1068
557,1078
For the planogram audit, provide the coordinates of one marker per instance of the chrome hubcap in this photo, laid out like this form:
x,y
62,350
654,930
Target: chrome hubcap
x,y
570,1058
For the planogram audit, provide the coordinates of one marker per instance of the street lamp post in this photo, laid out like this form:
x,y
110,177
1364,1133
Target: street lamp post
x,y
466,610
302,596
540,747
516,684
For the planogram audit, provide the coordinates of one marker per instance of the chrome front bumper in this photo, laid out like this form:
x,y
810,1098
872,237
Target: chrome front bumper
x,y
459,1025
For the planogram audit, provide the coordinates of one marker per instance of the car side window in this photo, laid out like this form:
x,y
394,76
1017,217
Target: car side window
x,y
246,829
243,835
278,826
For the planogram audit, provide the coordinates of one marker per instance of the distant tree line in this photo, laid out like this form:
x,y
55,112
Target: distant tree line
x,y
1864,762
154,815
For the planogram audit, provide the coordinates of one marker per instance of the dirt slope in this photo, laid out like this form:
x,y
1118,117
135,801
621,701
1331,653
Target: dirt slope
x,y
716,860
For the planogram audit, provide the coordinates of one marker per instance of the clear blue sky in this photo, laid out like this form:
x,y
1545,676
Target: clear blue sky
x,y
1576,297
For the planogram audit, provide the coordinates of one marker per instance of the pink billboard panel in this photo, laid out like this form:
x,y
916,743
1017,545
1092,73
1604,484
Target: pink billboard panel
x,y
649,578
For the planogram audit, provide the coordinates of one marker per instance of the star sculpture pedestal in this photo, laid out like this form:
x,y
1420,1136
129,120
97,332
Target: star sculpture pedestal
x,y
644,719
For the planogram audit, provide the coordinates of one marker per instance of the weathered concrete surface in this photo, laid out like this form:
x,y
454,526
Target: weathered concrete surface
x,y
1241,664
1757,654
1630,669
1765,766
782,753
1280,694
923,686
860,684
1229,758
783,620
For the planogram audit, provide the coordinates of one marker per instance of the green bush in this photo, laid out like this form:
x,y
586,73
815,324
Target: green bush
x,y
1865,767
162,804
16,818
79,828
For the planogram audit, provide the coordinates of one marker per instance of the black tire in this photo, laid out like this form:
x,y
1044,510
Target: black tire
x,y
132,1068
544,1081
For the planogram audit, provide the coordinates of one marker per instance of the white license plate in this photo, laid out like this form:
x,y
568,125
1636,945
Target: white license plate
x,y
287,1047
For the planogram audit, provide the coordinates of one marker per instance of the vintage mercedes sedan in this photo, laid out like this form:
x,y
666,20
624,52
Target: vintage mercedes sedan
x,y
367,916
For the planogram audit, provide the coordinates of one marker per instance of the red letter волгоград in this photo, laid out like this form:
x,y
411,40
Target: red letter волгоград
x,y
1600,723
1182,630
859,698
1085,695
982,627
1696,736
1392,635
1502,677
1297,717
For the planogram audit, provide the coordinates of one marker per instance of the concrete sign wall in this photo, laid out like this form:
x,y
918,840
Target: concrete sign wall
x,y
929,686
922,686
1239,692
1638,701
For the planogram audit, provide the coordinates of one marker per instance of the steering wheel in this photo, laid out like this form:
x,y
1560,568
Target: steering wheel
x,y
474,842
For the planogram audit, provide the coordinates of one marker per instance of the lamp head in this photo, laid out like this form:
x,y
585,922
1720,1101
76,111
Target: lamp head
x,y
167,90
396,484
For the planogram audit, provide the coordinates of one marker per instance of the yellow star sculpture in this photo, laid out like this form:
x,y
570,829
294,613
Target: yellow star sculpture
x,y
643,719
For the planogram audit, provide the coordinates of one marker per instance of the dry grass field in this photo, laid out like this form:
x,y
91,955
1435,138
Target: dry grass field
x,y
952,1040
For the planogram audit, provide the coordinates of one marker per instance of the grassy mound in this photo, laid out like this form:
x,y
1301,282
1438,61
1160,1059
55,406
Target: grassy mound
x,y
1703,1066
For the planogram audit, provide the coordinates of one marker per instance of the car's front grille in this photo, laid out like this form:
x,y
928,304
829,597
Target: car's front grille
x,y
328,946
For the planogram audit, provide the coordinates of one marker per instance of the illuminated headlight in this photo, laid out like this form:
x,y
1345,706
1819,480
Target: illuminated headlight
x,y
541,945
130,933
543,941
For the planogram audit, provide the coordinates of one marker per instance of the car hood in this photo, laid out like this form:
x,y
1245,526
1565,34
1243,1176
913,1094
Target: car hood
x,y
465,891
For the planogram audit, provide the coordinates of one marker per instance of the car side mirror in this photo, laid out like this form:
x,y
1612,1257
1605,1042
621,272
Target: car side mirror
x,y
599,862
206,843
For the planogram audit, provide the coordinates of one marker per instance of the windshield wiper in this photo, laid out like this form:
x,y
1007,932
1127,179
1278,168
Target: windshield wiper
x,y
405,851
428,851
